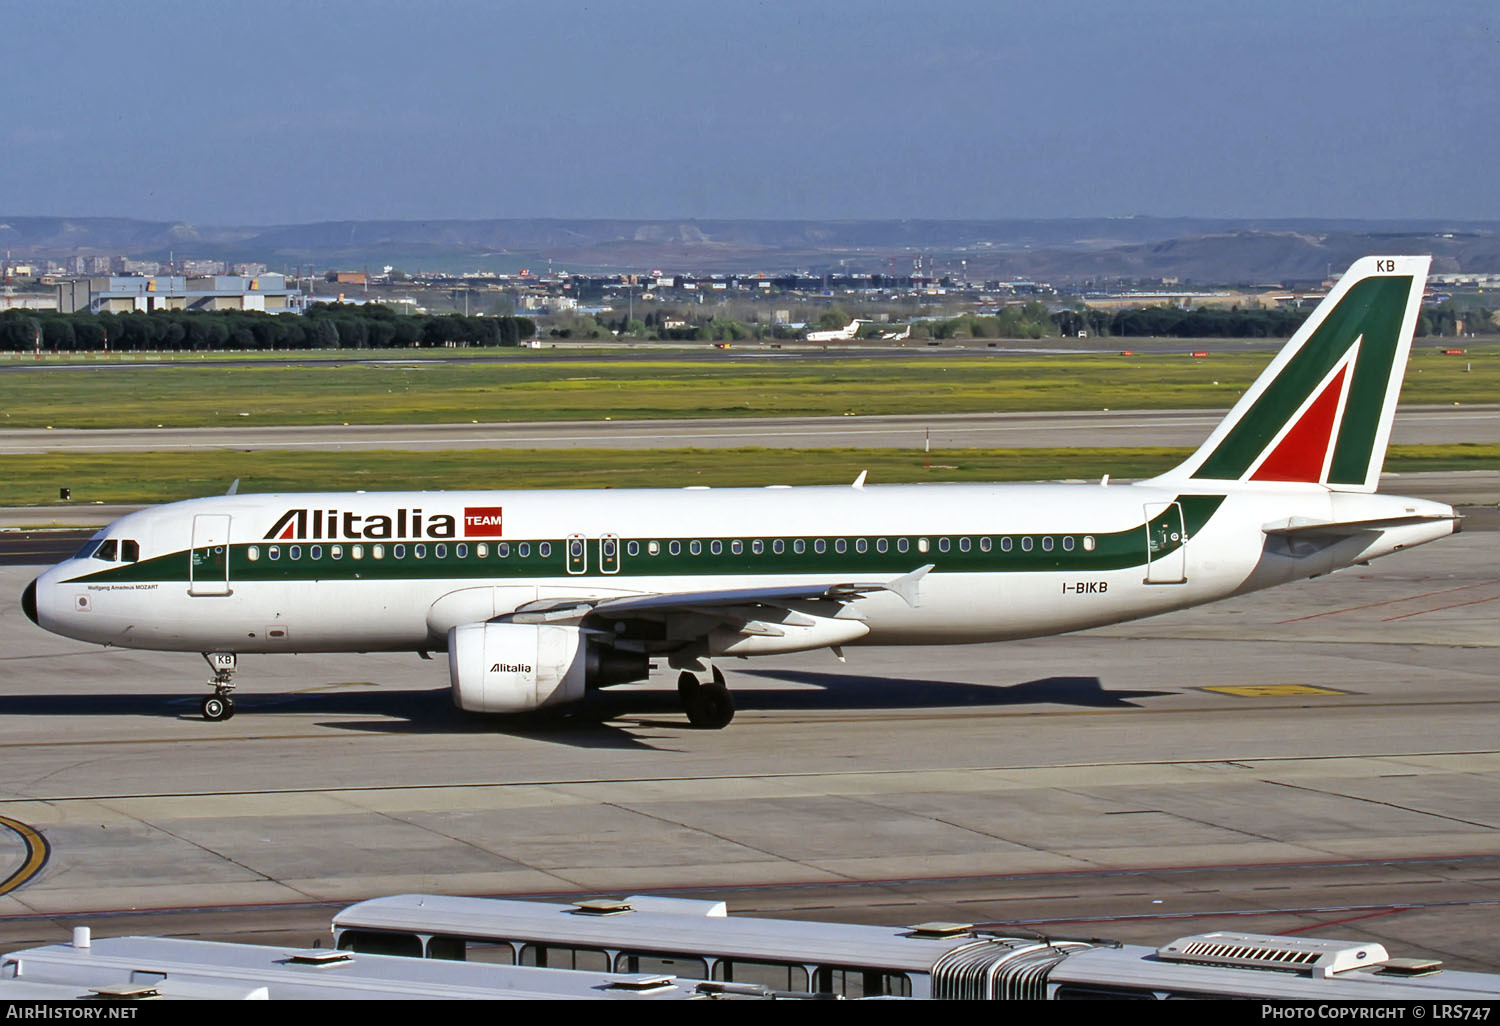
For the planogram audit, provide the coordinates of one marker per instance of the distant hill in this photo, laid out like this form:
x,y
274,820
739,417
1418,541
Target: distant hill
x,y
1193,249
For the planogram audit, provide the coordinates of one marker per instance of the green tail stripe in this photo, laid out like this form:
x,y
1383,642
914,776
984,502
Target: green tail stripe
x,y
1374,308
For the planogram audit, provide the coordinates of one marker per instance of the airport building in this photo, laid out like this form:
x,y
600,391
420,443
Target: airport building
x,y
127,293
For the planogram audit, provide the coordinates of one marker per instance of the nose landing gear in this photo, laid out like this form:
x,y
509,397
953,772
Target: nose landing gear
x,y
219,705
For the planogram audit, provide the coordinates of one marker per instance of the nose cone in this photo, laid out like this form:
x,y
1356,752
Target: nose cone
x,y
28,602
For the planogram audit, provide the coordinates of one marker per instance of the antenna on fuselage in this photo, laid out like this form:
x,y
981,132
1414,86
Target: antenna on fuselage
x,y
234,488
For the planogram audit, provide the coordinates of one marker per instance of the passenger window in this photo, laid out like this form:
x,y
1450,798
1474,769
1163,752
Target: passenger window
x,y
944,544
109,551
470,949
1026,544
1005,544
554,957
675,548
544,549
316,552
860,983
902,545
1068,543
776,975
336,551
799,546
922,545
399,552
440,551
716,547
695,547
839,545
379,942
1088,543
419,551
687,966
503,550
295,552
461,551
357,551
984,544
653,548
778,546
253,553
820,546
633,549
881,545
481,550
523,550
378,551
963,545
274,552
860,545
1047,543
737,547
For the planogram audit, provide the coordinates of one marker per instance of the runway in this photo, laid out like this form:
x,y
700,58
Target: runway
x,y
1320,758
1416,425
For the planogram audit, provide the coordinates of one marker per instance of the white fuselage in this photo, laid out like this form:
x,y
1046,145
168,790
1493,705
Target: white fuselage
x,y
1085,560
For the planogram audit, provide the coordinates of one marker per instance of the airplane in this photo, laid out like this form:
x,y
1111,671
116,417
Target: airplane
x,y
540,597
843,334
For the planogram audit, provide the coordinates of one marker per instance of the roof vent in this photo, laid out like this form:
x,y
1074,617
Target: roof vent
x,y
318,957
600,907
1317,958
125,991
1411,967
642,981
940,929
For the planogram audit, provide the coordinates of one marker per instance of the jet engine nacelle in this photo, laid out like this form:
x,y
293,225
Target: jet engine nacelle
x,y
521,667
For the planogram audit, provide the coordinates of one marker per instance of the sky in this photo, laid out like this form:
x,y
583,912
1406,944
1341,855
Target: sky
x,y
276,112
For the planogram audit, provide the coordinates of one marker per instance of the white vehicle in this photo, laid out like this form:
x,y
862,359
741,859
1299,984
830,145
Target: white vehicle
x,y
538,597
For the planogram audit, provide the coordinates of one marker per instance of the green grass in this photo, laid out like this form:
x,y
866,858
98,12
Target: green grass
x,y
591,388
147,478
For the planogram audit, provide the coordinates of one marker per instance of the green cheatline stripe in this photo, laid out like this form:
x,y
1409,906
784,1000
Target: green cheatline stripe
x,y
1115,550
38,851
1373,308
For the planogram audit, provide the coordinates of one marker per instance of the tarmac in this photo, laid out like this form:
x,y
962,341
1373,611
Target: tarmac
x,y
1319,758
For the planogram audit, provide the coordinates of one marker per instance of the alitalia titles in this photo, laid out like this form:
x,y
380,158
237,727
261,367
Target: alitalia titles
x,y
333,524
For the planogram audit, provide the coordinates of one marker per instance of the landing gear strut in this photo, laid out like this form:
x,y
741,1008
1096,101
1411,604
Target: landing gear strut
x,y
708,704
219,705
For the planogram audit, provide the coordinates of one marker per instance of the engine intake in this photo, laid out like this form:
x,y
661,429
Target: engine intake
x,y
522,667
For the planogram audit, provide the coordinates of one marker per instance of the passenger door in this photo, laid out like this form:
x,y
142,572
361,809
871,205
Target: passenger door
x,y
208,562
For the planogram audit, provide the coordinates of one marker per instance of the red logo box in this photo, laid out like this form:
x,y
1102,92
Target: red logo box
x,y
482,522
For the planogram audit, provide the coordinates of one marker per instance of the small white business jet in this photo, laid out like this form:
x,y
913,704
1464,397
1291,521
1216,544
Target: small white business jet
x,y
538,597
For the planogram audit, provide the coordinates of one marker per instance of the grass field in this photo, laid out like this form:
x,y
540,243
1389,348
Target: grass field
x,y
590,388
35,479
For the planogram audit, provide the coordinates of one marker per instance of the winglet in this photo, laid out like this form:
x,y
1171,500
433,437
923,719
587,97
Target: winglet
x,y
907,585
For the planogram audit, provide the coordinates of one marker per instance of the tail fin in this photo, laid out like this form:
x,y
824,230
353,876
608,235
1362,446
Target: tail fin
x,y
1321,412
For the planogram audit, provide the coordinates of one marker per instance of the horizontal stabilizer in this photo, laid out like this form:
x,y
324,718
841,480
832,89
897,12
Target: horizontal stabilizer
x,y
1303,526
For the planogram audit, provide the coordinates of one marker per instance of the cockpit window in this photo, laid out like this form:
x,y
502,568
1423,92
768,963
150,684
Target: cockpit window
x,y
130,551
109,550
87,550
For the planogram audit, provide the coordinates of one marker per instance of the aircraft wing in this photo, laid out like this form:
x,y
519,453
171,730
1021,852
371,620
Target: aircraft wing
x,y
729,602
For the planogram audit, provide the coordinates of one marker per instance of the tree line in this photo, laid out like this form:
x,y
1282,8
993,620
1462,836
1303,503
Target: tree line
x,y
324,326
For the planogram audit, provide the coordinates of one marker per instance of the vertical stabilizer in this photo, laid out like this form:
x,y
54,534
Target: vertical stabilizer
x,y
1321,412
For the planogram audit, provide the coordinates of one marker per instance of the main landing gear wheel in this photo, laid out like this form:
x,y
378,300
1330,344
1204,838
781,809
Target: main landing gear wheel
x,y
216,708
709,706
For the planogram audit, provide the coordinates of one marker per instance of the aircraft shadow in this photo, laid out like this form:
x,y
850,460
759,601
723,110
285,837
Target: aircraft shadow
x,y
431,710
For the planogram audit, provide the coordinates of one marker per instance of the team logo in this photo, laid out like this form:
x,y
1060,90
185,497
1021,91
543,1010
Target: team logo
x,y
482,522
